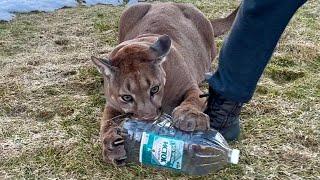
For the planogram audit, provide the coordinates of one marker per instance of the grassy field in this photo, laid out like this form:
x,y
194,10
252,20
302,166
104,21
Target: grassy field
x,y
51,99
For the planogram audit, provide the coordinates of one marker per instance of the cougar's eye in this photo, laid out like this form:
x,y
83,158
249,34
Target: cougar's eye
x,y
127,98
154,90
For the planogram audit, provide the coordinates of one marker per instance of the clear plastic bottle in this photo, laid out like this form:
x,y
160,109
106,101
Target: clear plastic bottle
x,y
159,144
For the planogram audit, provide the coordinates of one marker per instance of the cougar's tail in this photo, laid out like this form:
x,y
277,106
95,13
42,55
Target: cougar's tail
x,y
222,25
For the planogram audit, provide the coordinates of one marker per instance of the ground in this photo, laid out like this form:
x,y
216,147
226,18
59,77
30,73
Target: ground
x,y
51,99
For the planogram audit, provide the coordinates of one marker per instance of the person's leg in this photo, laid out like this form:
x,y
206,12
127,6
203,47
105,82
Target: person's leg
x,y
244,55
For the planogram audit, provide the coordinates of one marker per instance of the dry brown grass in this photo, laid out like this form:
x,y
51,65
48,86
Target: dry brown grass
x,y
50,99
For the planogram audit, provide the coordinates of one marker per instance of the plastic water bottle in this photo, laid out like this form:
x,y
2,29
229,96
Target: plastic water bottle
x,y
159,144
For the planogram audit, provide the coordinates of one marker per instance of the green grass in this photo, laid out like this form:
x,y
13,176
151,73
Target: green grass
x,y
51,99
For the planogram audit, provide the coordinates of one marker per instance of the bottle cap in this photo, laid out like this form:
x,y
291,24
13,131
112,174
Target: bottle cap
x,y
234,159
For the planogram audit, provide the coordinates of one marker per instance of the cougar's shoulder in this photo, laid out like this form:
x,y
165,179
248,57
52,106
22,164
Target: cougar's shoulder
x,y
130,18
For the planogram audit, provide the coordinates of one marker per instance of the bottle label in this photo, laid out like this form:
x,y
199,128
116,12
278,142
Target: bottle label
x,y
161,151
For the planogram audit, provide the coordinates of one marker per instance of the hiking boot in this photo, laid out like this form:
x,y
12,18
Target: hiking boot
x,y
224,115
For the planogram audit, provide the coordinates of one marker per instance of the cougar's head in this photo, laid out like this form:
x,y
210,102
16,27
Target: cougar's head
x,y
134,78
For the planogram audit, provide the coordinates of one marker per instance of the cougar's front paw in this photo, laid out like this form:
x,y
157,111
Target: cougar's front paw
x,y
113,147
188,118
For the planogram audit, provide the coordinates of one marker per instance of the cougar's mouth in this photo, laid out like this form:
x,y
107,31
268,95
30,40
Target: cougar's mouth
x,y
146,118
149,117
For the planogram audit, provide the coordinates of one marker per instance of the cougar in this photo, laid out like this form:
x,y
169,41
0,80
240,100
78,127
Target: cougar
x,y
164,51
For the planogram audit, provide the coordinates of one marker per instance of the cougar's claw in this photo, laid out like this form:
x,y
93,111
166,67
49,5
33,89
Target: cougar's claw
x,y
190,119
113,147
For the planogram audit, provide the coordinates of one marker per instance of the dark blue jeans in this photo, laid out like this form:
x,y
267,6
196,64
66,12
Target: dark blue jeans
x,y
249,46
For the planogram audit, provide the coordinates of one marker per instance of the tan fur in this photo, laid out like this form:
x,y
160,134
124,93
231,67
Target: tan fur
x,y
136,69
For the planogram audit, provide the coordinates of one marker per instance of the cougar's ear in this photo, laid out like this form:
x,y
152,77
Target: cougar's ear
x,y
104,66
161,48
